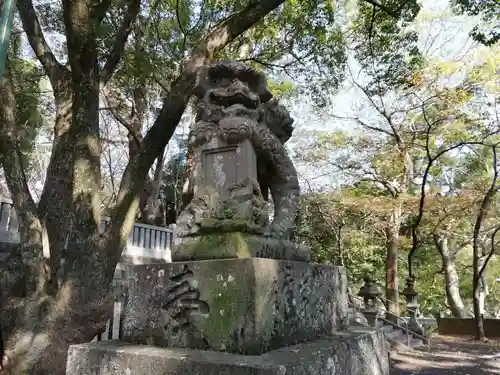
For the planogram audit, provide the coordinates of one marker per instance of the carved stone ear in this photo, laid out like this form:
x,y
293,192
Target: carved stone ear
x,y
202,82
261,87
264,94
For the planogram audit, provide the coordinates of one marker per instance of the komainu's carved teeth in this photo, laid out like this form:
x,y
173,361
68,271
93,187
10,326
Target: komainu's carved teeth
x,y
227,99
240,110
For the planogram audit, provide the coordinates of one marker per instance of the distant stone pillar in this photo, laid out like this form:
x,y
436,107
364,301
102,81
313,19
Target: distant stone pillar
x,y
412,306
370,292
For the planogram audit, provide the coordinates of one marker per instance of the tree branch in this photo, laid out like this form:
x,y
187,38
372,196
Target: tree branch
x,y
126,124
121,40
430,162
367,126
174,105
382,111
43,52
382,7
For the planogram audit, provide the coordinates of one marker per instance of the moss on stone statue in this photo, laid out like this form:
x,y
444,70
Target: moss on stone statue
x,y
217,225
221,245
229,306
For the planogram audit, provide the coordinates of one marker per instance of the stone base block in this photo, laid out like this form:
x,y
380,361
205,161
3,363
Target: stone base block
x,y
246,306
237,245
354,353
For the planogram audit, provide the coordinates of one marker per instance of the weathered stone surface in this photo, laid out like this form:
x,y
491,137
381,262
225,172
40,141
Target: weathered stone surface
x,y
5,249
227,196
238,245
355,353
246,306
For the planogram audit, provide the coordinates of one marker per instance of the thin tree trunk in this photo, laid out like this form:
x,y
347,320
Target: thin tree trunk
x,y
451,279
392,247
478,317
150,205
477,264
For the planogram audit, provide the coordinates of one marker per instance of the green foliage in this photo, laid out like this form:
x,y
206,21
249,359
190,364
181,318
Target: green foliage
x,y
384,47
281,89
26,79
173,177
300,40
341,230
489,11
426,116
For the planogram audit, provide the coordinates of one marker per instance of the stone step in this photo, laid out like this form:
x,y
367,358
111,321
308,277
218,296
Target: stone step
x,y
394,333
387,328
398,338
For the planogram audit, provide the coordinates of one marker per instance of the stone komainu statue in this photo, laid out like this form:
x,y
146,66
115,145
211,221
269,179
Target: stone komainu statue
x,y
235,104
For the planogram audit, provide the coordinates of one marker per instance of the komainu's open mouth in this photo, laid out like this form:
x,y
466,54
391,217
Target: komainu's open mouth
x,y
228,98
239,110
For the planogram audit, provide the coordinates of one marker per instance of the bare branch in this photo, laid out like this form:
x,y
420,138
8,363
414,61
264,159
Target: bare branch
x,y
126,124
383,112
366,126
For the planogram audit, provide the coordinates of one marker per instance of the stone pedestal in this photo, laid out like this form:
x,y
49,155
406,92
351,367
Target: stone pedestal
x,y
371,315
358,352
238,245
246,306
413,323
412,306
240,297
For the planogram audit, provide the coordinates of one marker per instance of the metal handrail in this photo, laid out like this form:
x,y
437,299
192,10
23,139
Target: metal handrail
x,y
406,329
385,301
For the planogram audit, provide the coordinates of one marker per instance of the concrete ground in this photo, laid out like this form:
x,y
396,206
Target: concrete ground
x,y
449,355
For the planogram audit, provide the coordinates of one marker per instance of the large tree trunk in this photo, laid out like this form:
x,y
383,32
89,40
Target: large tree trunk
x,y
451,279
57,308
39,324
392,246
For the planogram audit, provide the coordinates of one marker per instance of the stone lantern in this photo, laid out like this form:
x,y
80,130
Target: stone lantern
x,y
370,292
412,306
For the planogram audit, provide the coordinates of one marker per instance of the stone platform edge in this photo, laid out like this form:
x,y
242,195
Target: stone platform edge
x,y
237,245
359,351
